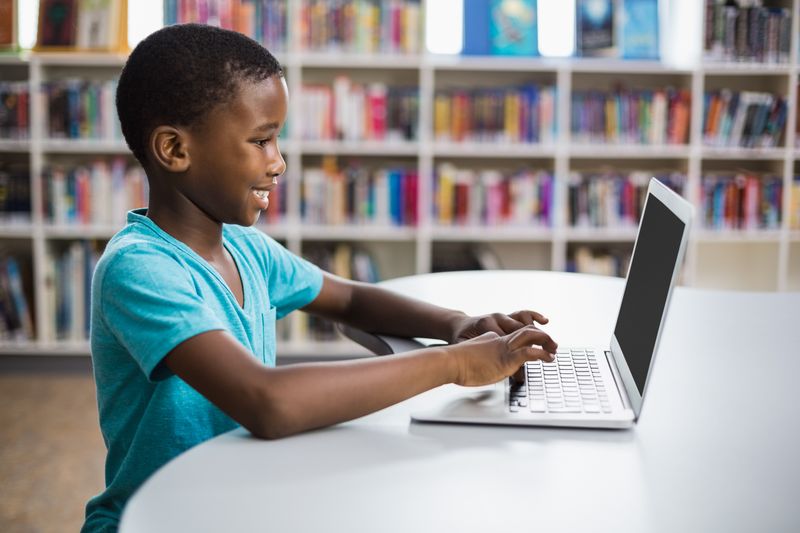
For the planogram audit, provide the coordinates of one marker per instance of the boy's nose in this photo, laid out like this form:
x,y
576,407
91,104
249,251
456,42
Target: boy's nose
x,y
277,166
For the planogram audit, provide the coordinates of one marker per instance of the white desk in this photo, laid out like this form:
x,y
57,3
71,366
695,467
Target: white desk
x,y
716,448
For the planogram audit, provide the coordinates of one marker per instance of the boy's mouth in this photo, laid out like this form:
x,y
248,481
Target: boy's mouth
x,y
261,193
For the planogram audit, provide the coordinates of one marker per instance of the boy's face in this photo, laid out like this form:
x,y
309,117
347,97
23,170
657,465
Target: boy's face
x,y
235,158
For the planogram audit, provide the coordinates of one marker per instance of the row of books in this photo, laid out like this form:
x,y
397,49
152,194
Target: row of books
x,y
361,26
67,290
742,200
490,197
524,114
602,261
261,20
16,323
344,260
632,116
82,25
747,32
747,119
15,194
359,112
15,121
99,192
79,109
613,199
356,194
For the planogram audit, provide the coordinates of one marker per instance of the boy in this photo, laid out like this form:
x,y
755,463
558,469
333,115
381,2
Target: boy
x,y
185,297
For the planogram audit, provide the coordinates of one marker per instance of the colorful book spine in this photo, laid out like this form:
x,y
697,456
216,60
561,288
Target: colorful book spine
x,y
68,274
16,323
749,32
14,110
359,112
357,195
741,201
361,26
744,119
78,109
524,114
612,199
490,197
261,20
794,205
15,194
631,116
100,192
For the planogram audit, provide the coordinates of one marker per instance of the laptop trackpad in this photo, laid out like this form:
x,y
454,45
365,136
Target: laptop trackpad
x,y
456,403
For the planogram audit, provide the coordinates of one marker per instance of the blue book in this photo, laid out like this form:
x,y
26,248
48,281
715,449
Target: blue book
x,y
640,29
513,28
476,28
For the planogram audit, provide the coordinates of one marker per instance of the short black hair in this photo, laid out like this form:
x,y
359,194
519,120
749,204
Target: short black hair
x,y
179,73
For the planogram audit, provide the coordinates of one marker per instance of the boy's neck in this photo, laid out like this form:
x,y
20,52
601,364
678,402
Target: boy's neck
x,y
188,224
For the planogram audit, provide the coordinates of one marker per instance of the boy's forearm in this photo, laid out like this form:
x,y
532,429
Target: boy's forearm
x,y
307,396
378,310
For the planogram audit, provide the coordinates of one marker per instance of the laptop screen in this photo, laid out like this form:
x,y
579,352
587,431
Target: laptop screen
x,y
647,288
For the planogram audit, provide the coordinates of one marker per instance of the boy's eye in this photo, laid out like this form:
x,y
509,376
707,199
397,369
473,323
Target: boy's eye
x,y
263,142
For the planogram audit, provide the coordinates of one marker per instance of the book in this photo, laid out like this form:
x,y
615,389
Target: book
x,y
475,28
8,24
57,23
98,24
513,27
594,30
640,37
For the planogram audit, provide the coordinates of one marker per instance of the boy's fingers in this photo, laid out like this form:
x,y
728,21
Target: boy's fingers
x,y
507,323
526,316
534,353
532,335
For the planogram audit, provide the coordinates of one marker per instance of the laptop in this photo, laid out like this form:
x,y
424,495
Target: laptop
x,y
601,386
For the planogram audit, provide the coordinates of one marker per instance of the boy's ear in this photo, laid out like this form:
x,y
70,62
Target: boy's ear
x,y
168,146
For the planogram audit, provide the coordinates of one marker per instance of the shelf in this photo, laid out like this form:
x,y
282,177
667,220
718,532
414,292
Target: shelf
x,y
498,150
625,66
710,152
494,63
14,58
601,234
345,60
727,68
379,148
498,233
794,235
13,145
738,236
15,230
79,59
80,231
617,151
83,146
66,348
313,232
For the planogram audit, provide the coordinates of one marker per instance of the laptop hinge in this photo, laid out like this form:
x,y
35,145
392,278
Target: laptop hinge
x,y
612,364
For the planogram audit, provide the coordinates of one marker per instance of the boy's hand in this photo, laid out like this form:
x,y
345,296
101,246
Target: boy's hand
x,y
490,357
470,327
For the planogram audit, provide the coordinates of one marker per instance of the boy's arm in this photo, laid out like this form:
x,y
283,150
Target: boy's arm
x,y
276,402
376,310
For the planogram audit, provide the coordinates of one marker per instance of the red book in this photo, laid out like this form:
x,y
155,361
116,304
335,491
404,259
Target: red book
x,y
376,108
57,22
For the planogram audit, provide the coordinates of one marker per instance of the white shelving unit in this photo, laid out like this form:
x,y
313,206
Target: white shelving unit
x,y
757,260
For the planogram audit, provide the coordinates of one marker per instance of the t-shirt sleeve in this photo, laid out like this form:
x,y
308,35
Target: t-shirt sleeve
x,y
293,281
150,304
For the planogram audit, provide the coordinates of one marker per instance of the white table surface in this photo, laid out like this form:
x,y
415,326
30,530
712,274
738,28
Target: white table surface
x,y
716,448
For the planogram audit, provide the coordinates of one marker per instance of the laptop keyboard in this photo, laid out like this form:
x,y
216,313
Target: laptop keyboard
x,y
570,384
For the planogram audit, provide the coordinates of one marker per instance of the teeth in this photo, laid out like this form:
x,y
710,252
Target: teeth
x,y
262,194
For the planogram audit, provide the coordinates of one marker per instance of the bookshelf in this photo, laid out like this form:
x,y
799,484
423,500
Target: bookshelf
x,y
752,259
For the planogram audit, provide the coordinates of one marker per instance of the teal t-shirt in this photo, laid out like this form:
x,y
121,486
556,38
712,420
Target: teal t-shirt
x,y
151,292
